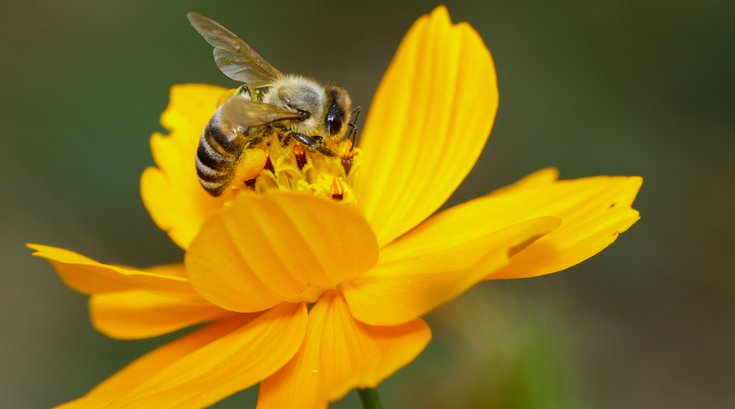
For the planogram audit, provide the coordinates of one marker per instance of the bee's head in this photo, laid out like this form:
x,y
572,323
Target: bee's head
x,y
338,111
326,110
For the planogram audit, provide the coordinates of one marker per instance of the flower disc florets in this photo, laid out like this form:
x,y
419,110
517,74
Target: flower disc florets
x,y
292,167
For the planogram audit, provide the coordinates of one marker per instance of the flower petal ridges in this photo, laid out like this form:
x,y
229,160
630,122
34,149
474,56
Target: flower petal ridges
x,y
92,277
593,210
206,366
428,124
412,280
140,314
279,247
338,354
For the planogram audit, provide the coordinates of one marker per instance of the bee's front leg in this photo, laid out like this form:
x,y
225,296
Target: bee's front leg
x,y
313,143
284,139
352,127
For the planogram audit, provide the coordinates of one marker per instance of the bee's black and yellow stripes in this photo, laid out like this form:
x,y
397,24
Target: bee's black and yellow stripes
x,y
217,156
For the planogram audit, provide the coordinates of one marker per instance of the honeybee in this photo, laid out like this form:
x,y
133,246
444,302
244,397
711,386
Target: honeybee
x,y
294,107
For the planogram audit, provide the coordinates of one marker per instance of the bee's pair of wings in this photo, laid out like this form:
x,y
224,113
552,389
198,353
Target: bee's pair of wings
x,y
236,59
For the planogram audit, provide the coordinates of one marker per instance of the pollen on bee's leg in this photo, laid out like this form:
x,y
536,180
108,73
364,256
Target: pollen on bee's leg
x,y
300,155
338,191
249,166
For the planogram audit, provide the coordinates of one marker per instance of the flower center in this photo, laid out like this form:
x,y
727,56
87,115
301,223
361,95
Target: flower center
x,y
291,166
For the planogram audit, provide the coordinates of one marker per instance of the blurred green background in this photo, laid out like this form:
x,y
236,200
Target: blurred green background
x,y
600,87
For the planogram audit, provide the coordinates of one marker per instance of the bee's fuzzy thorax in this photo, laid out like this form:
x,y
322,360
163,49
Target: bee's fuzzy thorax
x,y
301,93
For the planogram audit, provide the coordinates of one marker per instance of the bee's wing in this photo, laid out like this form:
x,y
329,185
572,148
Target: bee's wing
x,y
234,57
247,113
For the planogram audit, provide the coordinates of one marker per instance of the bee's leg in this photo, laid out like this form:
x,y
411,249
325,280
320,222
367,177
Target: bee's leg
x,y
355,115
252,94
352,136
253,141
352,132
312,142
284,139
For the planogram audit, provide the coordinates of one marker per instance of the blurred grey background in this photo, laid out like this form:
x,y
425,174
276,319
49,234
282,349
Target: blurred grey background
x,y
592,87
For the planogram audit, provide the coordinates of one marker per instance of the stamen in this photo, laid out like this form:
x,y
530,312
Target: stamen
x,y
294,167
300,154
338,190
268,163
347,161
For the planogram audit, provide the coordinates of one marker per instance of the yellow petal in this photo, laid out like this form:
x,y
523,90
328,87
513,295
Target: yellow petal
x,y
153,362
139,314
594,211
539,177
281,246
171,191
89,276
428,124
428,270
339,354
210,371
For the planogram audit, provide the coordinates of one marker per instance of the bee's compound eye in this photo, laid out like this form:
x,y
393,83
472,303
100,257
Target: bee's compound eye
x,y
334,120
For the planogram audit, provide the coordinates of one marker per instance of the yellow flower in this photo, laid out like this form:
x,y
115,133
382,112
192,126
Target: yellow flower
x,y
311,297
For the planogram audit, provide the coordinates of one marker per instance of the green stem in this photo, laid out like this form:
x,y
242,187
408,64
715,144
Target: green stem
x,y
369,398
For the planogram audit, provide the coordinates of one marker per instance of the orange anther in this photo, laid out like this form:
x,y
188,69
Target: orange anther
x,y
347,161
338,190
300,154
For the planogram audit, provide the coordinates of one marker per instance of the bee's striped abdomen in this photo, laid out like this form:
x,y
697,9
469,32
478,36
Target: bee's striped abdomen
x,y
216,158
